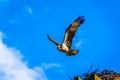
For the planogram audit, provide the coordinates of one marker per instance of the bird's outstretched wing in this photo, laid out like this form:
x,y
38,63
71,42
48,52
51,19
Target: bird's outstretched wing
x,y
71,30
51,39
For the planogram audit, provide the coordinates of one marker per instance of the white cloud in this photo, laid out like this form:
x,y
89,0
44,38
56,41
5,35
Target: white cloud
x,y
1,35
79,43
80,38
50,65
12,67
28,9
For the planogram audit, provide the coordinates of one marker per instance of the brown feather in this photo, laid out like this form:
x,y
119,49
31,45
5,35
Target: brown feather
x,y
71,30
51,39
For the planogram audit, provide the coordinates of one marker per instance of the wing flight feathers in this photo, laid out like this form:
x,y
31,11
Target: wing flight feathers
x,y
71,30
51,39
80,19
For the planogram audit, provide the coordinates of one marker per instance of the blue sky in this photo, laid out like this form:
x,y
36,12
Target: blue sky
x,y
25,24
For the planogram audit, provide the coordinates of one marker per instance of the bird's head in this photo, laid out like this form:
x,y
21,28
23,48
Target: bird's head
x,y
59,47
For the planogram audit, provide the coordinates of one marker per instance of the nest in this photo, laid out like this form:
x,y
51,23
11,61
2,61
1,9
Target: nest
x,y
104,75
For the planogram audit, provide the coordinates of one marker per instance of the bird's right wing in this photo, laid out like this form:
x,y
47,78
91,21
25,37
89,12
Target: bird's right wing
x,y
51,39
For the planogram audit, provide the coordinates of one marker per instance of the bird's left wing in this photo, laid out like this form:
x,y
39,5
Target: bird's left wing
x,y
71,30
51,39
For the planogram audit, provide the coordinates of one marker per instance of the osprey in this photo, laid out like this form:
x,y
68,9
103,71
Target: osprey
x,y
69,35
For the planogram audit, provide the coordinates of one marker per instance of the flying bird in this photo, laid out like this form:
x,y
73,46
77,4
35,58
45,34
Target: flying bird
x,y
68,37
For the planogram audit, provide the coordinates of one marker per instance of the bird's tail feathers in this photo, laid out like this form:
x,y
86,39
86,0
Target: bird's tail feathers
x,y
72,52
